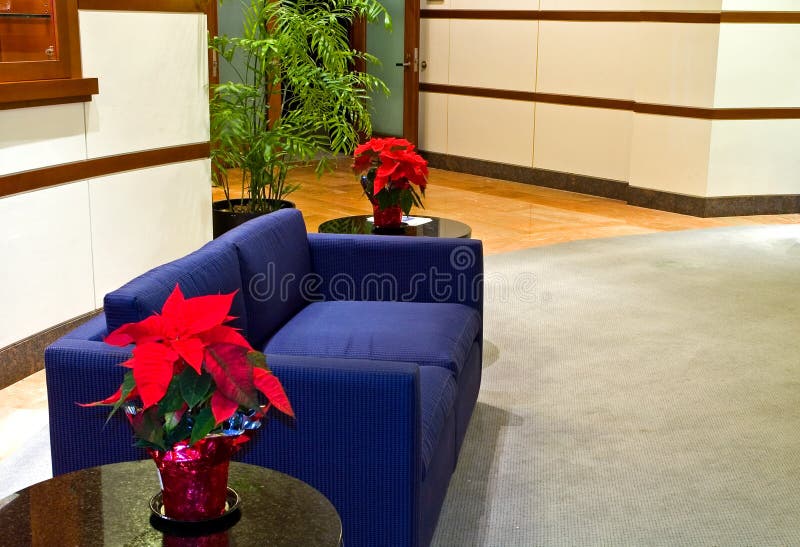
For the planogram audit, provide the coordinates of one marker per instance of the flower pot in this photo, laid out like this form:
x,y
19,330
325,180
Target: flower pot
x,y
391,217
224,219
194,479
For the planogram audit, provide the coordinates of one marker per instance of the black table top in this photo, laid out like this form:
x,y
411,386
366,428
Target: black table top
x,y
437,227
109,505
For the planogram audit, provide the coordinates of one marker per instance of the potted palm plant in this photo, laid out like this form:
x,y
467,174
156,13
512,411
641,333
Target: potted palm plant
x,y
298,100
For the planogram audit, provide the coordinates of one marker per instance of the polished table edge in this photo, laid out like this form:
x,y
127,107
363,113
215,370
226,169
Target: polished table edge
x,y
464,227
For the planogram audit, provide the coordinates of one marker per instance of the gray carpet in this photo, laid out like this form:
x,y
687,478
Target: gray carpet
x,y
27,465
639,390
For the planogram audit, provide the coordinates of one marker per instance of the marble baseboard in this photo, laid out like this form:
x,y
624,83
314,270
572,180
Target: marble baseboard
x,y
613,189
25,357
620,190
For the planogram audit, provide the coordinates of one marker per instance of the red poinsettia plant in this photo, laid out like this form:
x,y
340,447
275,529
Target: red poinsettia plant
x,y
391,172
191,375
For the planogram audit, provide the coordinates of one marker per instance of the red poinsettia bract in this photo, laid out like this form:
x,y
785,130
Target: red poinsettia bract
x,y
190,332
396,162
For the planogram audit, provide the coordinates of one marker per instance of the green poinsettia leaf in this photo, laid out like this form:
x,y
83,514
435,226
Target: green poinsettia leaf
x,y
406,202
194,387
257,359
172,400
181,431
171,420
204,422
148,429
384,199
128,384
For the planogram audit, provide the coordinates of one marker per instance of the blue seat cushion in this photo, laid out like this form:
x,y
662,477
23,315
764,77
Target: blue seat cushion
x,y
437,400
274,260
213,269
415,332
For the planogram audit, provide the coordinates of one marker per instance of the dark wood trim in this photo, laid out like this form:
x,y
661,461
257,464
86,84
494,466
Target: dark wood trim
x,y
23,358
411,72
358,41
46,92
511,15
212,24
619,104
479,92
621,190
168,6
45,177
72,31
756,17
577,100
691,17
574,15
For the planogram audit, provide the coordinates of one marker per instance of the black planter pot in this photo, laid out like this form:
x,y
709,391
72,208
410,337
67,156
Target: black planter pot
x,y
224,219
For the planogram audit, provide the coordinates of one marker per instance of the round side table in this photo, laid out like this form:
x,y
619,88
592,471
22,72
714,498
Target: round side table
x,y
109,505
436,227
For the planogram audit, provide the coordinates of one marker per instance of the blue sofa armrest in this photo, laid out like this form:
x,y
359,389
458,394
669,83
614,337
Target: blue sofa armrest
x,y
81,369
398,268
94,329
356,438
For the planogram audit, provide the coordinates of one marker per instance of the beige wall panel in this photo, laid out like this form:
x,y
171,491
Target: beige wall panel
x,y
433,122
495,54
153,70
628,5
760,5
675,63
758,66
490,129
495,4
143,218
586,141
587,58
37,137
434,49
670,154
754,157
46,276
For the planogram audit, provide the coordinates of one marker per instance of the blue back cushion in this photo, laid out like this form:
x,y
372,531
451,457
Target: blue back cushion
x,y
213,269
274,259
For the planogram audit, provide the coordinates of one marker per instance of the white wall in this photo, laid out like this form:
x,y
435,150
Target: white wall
x,y
677,64
46,277
64,247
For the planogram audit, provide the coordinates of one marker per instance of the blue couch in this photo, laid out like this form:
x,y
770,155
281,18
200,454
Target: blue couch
x,y
377,341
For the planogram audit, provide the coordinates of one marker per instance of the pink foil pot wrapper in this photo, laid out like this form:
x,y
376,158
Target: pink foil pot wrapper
x,y
194,479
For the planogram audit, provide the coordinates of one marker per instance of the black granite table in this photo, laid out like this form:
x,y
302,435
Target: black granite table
x,y
108,505
437,227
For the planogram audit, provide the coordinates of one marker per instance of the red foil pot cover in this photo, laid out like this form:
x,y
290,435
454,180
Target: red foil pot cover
x,y
194,479
387,218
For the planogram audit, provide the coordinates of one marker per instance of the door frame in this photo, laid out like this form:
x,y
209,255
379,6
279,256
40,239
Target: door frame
x,y
358,40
